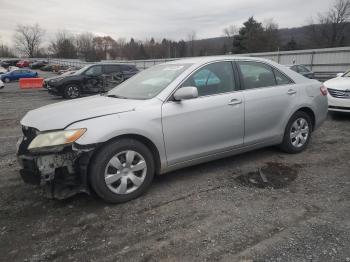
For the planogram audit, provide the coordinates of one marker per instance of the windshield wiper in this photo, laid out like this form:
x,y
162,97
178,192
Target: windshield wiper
x,y
116,96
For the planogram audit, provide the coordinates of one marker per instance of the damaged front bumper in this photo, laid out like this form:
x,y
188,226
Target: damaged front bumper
x,y
61,170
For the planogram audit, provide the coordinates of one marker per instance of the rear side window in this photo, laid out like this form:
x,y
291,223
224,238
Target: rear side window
x,y
281,79
128,68
213,79
256,75
111,69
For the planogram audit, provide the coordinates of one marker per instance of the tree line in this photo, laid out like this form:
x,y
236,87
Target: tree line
x,y
329,29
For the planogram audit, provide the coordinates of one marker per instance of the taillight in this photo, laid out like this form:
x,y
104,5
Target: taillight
x,y
323,90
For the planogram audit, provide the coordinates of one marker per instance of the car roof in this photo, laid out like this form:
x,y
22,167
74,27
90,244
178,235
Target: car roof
x,y
103,64
208,59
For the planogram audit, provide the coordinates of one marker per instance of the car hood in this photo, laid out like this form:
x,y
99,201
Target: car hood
x,y
54,77
340,83
60,115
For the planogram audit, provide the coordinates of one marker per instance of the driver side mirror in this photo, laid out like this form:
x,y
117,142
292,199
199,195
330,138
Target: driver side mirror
x,y
340,74
187,92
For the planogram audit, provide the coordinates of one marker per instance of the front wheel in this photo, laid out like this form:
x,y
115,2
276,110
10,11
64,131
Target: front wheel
x,y
121,171
297,133
71,91
7,80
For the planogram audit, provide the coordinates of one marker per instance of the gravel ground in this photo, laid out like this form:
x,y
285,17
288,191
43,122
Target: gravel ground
x,y
219,211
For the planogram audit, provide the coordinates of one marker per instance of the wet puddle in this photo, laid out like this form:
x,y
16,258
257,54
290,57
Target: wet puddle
x,y
272,175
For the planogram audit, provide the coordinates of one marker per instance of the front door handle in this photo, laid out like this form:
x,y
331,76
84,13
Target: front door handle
x,y
291,92
235,102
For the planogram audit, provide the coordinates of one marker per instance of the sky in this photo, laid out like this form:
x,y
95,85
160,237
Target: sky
x,y
174,19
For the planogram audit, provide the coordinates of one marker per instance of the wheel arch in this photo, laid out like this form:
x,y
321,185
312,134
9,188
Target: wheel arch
x,y
144,140
310,113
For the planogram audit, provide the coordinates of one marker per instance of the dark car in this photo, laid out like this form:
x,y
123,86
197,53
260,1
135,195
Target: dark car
x,y
17,74
47,68
38,64
9,62
90,79
303,70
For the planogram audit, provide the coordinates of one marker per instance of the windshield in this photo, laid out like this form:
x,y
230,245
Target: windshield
x,y
347,74
149,83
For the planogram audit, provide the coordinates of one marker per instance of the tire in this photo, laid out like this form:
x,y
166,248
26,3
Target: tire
x,y
7,80
119,186
297,133
71,91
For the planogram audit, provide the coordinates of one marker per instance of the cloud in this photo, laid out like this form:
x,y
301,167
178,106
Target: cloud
x,y
151,18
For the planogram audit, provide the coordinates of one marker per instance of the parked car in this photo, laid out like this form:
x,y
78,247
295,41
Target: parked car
x,y
48,68
166,118
91,79
17,74
339,93
303,70
12,68
1,85
3,70
22,63
9,62
38,64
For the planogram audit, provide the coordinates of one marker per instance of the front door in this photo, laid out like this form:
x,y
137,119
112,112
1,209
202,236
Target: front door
x,y
209,124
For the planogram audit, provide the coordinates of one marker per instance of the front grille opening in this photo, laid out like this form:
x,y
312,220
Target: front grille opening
x,y
345,94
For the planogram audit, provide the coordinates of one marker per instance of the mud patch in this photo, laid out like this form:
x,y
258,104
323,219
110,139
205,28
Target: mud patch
x,y
272,175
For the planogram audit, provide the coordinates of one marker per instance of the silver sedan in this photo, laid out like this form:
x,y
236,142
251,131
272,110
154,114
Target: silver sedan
x,y
170,116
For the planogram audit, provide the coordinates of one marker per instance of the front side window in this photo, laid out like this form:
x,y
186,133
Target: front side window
x,y
94,71
256,75
150,82
213,79
347,74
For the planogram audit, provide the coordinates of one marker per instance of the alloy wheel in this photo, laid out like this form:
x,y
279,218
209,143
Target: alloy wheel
x,y
73,91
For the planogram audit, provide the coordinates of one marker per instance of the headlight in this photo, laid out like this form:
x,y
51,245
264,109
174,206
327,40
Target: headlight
x,y
56,138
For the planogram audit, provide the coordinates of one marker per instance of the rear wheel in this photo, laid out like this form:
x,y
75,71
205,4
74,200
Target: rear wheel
x,y
7,80
121,171
71,91
297,134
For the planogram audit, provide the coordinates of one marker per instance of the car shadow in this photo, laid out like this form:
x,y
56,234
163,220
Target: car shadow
x,y
340,116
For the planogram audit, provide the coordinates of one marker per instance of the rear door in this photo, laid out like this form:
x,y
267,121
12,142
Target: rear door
x,y
269,97
112,76
93,81
209,124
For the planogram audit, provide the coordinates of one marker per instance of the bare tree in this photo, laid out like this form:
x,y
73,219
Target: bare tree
x,y
230,33
330,26
28,39
270,35
191,38
85,46
63,45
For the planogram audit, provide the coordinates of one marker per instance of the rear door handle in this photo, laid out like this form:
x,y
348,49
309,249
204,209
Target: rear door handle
x,y
235,102
291,92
